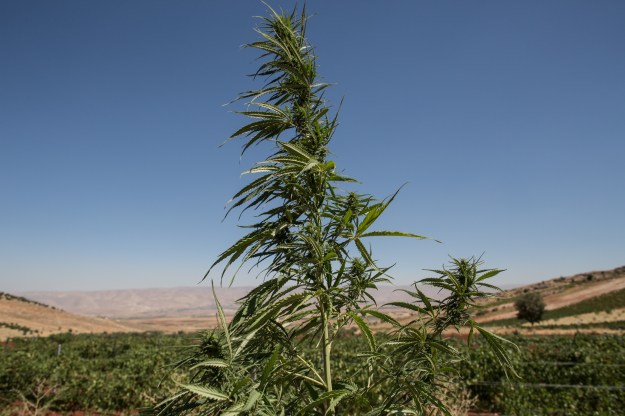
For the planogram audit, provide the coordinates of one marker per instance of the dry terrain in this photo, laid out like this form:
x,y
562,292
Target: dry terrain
x,y
558,292
43,320
193,309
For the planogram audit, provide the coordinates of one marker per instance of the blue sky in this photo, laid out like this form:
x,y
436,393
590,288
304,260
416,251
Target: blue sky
x,y
505,118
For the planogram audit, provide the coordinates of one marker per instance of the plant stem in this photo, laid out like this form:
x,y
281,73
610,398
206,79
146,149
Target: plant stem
x,y
327,350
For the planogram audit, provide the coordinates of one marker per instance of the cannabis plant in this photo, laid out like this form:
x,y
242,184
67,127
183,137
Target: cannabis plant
x,y
309,243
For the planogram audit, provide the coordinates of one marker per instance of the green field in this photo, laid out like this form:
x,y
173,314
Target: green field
x,y
559,375
578,375
108,372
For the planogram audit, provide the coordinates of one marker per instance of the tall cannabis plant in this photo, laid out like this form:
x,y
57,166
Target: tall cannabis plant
x,y
309,242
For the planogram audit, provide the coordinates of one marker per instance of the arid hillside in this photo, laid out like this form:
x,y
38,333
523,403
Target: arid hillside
x,y
584,302
23,317
558,292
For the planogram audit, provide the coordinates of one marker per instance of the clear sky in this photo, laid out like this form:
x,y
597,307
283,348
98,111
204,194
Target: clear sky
x,y
505,118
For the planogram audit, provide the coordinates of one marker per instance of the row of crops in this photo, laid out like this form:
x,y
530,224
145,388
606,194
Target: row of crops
x,y
578,375
102,372
559,375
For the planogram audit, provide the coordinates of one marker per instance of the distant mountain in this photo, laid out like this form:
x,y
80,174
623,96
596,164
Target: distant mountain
x,y
143,303
166,302
198,302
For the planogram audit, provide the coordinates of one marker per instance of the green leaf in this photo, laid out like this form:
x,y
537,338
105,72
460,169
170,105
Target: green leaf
x,y
488,275
406,305
269,366
251,400
329,395
382,316
497,345
222,322
392,234
296,150
373,212
364,328
213,362
241,407
365,253
208,392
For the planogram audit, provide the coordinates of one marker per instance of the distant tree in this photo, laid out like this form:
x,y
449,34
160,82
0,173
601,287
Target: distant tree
x,y
530,307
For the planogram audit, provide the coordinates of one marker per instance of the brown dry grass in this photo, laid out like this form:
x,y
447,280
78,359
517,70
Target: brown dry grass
x,y
49,321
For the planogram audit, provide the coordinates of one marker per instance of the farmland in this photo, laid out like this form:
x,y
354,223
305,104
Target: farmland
x,y
50,364
119,373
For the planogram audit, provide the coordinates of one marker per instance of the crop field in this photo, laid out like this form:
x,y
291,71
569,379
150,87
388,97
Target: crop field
x,y
106,372
572,375
120,373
